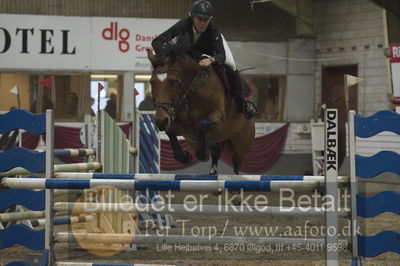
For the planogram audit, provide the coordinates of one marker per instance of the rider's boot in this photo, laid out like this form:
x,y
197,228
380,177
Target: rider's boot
x,y
246,107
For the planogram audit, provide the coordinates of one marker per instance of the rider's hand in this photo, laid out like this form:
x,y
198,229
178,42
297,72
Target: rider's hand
x,y
205,62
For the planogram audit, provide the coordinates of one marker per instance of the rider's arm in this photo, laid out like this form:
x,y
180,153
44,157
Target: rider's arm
x,y
219,51
162,43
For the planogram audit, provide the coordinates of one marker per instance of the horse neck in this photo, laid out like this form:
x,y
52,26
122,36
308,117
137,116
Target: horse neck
x,y
209,92
189,69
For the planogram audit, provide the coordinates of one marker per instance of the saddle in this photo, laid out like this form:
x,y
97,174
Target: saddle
x,y
220,70
221,73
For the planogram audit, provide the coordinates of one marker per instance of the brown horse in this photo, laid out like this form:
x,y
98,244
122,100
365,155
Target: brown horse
x,y
192,101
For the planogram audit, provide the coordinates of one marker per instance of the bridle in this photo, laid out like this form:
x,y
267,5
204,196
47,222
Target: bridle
x,y
182,91
174,104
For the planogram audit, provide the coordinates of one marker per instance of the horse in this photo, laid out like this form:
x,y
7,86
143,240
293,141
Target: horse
x,y
192,101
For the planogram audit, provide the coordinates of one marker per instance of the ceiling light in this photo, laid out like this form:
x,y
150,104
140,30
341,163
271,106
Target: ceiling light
x,y
142,77
100,76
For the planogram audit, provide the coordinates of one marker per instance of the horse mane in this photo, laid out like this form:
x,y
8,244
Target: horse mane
x,y
173,54
188,58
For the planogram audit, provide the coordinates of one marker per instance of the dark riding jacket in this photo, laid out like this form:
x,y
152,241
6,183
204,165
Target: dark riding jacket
x,y
209,42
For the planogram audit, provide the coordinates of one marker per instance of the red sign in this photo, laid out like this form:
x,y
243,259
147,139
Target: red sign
x,y
395,52
120,35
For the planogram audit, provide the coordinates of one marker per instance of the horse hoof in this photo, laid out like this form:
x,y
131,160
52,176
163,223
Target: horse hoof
x,y
213,172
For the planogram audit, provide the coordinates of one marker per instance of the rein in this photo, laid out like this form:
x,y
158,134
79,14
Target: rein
x,y
197,82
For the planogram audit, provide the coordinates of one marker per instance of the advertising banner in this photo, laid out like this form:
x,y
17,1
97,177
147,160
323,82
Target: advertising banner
x,y
395,65
30,42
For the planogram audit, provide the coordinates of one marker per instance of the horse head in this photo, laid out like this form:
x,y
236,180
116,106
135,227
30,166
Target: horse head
x,y
166,87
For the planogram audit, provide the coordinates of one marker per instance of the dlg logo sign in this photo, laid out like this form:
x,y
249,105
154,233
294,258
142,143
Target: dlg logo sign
x,y
113,33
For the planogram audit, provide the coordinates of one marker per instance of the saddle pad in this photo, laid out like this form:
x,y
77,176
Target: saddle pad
x,y
221,74
248,88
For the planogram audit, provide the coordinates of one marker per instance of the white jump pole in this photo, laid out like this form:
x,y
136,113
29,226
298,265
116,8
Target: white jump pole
x,y
189,209
63,237
48,245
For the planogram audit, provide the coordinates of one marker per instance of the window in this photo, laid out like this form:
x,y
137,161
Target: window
x,y
269,95
109,95
70,95
144,101
8,99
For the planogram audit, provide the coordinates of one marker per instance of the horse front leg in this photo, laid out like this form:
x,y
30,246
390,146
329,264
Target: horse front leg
x,y
203,127
180,155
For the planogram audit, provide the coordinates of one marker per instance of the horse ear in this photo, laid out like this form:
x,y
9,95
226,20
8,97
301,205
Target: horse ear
x,y
150,55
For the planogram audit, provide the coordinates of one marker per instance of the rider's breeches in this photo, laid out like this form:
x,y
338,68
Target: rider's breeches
x,y
228,54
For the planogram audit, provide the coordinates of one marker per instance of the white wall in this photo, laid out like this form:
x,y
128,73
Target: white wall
x,y
293,59
264,58
352,32
300,80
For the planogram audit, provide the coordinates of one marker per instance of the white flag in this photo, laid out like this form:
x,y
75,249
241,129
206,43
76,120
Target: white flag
x,y
14,90
352,80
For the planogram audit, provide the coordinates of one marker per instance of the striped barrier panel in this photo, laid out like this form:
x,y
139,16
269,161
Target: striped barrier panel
x,y
57,168
148,143
368,167
18,160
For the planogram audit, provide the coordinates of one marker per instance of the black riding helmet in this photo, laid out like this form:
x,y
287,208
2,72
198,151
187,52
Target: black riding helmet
x,y
202,9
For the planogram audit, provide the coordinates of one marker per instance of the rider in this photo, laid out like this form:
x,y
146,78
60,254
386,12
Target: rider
x,y
198,30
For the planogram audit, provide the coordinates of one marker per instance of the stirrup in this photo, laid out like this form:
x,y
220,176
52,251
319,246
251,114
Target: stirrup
x,y
250,110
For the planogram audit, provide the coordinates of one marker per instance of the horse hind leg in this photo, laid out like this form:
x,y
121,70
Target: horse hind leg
x,y
234,195
215,151
241,148
237,162
242,144
237,158
202,152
